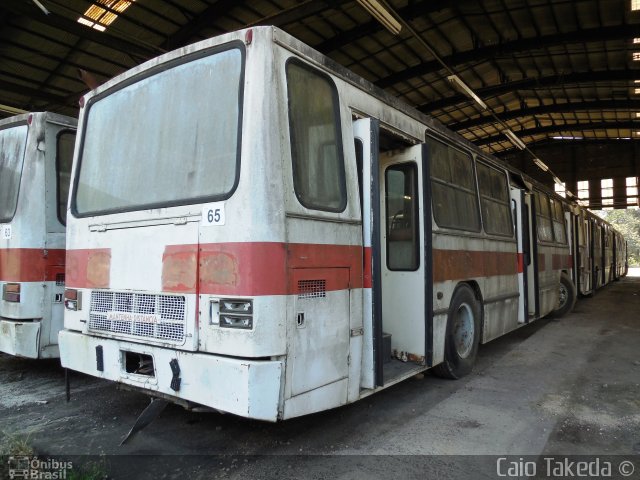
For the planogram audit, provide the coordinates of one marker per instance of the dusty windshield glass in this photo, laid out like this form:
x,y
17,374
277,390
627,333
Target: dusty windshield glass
x,y
169,139
12,145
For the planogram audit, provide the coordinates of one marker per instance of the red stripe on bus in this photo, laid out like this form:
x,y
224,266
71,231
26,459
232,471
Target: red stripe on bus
x,y
242,268
367,275
261,268
88,268
560,261
542,266
180,268
460,264
520,262
30,264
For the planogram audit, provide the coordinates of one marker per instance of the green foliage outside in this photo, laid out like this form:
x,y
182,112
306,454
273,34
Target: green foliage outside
x,y
626,222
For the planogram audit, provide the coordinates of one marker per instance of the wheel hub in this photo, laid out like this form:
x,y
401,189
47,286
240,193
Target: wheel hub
x,y
464,330
563,296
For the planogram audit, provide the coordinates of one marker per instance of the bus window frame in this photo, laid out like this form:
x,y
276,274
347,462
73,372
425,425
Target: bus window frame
x,y
552,210
416,214
176,62
10,218
66,131
503,173
539,214
455,186
335,98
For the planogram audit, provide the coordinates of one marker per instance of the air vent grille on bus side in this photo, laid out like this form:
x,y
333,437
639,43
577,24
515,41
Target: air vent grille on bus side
x,y
312,288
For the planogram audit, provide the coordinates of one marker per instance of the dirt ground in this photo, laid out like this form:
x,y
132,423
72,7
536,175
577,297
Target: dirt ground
x,y
555,387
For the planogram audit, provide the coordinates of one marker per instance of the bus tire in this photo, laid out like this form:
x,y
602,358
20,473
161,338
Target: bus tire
x,y
567,298
463,335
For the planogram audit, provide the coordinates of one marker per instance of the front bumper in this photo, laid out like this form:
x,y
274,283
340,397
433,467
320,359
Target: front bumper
x,y
245,387
20,338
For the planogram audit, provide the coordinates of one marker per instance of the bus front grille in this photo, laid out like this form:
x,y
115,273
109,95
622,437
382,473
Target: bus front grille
x,y
160,317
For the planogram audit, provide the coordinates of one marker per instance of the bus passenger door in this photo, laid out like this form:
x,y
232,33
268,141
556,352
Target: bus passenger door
x,y
531,259
583,250
521,216
597,255
405,299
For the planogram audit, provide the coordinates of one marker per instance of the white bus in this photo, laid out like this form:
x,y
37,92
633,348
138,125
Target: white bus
x,y
36,151
255,229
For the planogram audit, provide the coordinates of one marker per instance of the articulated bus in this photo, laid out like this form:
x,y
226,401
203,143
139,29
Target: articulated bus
x,y
237,242
36,151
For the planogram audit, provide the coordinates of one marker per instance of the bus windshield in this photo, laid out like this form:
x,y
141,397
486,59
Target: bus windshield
x,y
172,138
12,144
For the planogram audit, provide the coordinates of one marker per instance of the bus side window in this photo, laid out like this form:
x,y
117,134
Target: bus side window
x,y
494,200
559,227
545,230
64,158
316,142
12,151
359,167
453,185
401,200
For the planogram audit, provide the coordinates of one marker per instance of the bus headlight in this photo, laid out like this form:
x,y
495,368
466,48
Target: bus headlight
x,y
72,299
11,292
236,313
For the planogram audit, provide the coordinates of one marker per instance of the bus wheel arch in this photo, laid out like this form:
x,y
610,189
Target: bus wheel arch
x,y
463,333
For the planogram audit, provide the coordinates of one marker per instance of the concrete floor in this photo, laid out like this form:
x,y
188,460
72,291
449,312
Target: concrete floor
x,y
555,387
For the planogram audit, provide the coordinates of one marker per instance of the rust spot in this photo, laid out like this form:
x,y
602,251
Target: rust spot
x,y
98,269
179,271
415,358
219,268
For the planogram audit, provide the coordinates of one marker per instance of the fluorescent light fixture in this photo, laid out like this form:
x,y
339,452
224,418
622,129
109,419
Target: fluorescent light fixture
x,y
514,139
543,166
13,110
557,180
466,90
41,7
382,15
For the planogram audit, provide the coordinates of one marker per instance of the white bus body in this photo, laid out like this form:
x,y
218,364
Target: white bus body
x,y
36,151
251,229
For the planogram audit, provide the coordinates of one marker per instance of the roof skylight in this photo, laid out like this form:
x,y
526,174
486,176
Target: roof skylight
x,y
103,13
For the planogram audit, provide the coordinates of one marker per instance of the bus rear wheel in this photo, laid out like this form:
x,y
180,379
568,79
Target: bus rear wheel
x,y
567,297
463,335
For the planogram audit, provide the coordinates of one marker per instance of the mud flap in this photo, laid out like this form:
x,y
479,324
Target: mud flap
x,y
148,415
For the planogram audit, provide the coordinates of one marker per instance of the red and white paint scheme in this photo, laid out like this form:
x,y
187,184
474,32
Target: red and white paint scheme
x,y
36,151
256,229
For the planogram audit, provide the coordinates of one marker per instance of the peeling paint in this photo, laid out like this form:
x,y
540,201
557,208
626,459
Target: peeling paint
x,y
179,271
98,269
219,268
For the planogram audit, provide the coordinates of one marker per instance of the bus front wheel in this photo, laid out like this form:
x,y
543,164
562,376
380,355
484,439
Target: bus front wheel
x,y
567,296
463,335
